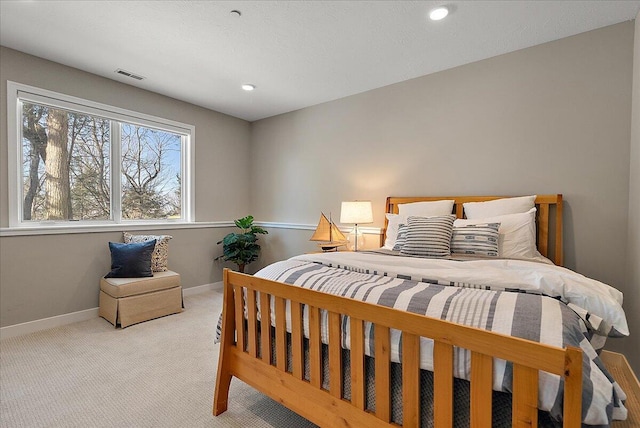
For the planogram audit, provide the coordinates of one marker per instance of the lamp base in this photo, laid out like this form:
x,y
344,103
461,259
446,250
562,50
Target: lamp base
x,y
357,241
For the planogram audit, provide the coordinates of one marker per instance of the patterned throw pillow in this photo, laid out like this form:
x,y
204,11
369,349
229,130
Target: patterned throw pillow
x,y
401,238
160,255
476,239
429,236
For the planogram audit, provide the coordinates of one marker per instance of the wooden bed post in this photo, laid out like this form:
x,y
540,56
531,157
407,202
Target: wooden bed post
x,y
572,412
559,252
223,379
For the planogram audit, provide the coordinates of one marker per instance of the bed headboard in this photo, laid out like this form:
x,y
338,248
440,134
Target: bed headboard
x,y
549,226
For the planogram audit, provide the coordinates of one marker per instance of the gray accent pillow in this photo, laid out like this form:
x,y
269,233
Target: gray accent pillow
x,y
476,239
429,236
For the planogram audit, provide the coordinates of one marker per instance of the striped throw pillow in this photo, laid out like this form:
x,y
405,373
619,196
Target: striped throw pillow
x,y
476,239
401,238
429,236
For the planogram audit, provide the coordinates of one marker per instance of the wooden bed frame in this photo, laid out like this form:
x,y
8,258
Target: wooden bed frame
x,y
245,352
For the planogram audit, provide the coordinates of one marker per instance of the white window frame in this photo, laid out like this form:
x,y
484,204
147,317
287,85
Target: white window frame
x,y
16,92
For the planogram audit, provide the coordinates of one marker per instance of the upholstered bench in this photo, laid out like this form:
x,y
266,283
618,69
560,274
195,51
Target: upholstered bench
x,y
128,301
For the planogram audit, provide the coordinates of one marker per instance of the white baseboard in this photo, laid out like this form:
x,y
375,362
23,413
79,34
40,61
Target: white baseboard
x,y
215,286
47,323
87,314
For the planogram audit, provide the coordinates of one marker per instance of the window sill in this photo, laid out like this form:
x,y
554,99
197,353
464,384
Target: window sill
x,y
58,229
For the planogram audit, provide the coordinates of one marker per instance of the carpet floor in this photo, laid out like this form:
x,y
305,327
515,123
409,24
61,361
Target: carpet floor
x,y
159,373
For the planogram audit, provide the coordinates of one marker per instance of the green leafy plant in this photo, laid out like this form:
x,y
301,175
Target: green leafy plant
x,y
242,248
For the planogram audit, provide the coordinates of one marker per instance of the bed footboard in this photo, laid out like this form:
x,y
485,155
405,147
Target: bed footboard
x,y
268,372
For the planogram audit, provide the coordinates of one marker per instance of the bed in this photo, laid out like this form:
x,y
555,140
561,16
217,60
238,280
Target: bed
x,y
339,353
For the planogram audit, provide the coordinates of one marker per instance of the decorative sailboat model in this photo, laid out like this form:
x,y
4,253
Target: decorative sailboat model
x,y
328,235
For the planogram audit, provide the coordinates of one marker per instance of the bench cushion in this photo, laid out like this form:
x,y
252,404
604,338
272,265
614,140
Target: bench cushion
x,y
123,287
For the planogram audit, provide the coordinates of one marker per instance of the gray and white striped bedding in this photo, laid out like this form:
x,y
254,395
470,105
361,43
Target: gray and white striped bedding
x,y
530,316
601,303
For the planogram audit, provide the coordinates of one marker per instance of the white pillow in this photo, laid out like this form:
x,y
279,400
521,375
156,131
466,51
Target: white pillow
x,y
517,233
521,204
426,209
394,221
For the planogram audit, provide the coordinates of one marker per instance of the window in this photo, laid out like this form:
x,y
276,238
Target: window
x,y
79,161
150,173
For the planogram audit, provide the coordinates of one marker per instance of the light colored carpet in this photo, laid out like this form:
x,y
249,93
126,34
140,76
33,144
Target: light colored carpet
x,y
160,373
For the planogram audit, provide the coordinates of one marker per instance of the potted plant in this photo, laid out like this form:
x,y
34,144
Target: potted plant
x,y
242,248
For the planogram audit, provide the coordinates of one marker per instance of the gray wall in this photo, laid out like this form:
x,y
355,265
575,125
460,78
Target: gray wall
x,y
554,118
632,295
48,275
551,118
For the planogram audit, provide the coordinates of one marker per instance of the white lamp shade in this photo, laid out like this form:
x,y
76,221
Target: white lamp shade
x,y
356,212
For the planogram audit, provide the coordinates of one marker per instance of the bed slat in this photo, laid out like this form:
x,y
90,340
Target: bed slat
x,y
481,387
459,210
335,355
315,347
382,366
410,380
252,325
240,339
559,253
443,384
296,340
525,397
265,330
543,229
357,363
281,334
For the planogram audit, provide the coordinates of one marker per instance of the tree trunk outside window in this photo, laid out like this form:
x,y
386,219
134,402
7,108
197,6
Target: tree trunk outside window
x,y
58,202
37,136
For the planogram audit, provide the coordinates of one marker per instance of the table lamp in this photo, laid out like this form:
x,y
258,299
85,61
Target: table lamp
x,y
356,212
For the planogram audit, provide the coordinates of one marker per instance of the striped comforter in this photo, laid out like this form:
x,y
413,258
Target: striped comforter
x,y
531,316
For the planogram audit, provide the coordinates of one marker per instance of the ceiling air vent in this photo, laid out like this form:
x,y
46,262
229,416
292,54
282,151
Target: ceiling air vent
x,y
128,74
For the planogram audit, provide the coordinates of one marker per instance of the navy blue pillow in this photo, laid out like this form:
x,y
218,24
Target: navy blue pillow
x,y
131,260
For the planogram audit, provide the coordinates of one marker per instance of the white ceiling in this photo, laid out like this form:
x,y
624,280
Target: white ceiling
x,y
297,53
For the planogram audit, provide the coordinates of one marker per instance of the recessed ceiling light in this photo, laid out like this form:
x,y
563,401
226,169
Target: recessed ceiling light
x,y
438,13
236,13
248,87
